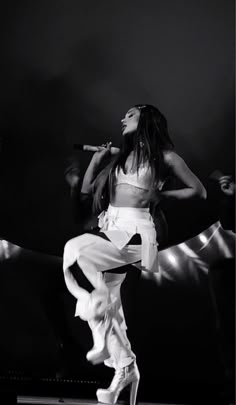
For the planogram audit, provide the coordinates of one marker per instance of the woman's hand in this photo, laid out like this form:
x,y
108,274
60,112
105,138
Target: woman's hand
x,y
101,153
227,185
91,148
97,163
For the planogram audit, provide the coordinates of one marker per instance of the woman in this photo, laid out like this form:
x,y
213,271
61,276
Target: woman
x,y
125,193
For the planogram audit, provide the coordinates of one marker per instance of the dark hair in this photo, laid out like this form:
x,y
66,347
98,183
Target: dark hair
x,y
148,142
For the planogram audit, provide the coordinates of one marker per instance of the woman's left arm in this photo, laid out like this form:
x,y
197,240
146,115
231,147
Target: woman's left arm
x,y
193,186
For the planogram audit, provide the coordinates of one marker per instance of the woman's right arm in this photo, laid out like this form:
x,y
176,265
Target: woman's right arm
x,y
81,190
99,160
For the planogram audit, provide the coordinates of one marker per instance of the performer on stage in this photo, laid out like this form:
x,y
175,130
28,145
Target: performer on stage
x,y
125,185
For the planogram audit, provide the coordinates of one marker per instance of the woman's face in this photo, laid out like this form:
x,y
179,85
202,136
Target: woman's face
x,y
130,121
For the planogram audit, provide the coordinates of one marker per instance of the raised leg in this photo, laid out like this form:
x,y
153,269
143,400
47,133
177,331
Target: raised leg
x,y
94,255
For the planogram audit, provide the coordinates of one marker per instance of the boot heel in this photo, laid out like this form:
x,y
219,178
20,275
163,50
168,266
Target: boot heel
x,y
124,377
133,392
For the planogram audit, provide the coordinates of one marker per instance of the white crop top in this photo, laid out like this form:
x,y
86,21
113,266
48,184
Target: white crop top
x,y
141,179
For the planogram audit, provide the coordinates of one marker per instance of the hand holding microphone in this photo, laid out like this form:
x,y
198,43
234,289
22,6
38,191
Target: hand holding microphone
x,y
92,148
101,155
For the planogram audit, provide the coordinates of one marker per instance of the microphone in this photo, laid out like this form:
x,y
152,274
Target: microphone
x,y
92,148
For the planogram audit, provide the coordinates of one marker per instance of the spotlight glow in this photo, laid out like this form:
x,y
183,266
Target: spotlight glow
x,y
5,249
203,238
172,259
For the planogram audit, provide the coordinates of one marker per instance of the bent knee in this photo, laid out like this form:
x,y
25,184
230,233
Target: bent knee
x,y
74,247
73,244
71,252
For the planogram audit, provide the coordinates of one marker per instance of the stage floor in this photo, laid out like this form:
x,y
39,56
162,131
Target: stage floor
x,y
24,400
70,401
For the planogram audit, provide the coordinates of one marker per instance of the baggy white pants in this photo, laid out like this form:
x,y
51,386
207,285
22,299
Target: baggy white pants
x,y
89,252
94,255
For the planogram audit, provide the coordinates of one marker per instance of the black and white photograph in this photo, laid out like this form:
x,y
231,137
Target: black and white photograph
x,y
117,198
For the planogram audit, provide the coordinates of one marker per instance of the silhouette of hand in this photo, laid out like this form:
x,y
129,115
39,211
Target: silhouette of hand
x,y
227,185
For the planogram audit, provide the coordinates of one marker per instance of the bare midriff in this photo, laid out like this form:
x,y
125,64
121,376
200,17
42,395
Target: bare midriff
x,y
126,195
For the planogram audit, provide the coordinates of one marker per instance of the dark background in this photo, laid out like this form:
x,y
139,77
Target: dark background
x,y
69,72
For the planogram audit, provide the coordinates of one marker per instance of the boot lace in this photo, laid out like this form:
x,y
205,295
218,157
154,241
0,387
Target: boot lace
x,y
118,378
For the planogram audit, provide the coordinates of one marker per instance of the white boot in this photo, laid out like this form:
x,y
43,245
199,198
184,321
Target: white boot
x,y
123,377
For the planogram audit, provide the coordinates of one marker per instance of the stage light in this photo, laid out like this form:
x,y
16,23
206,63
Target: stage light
x,y
172,258
214,229
203,238
8,250
5,252
188,251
